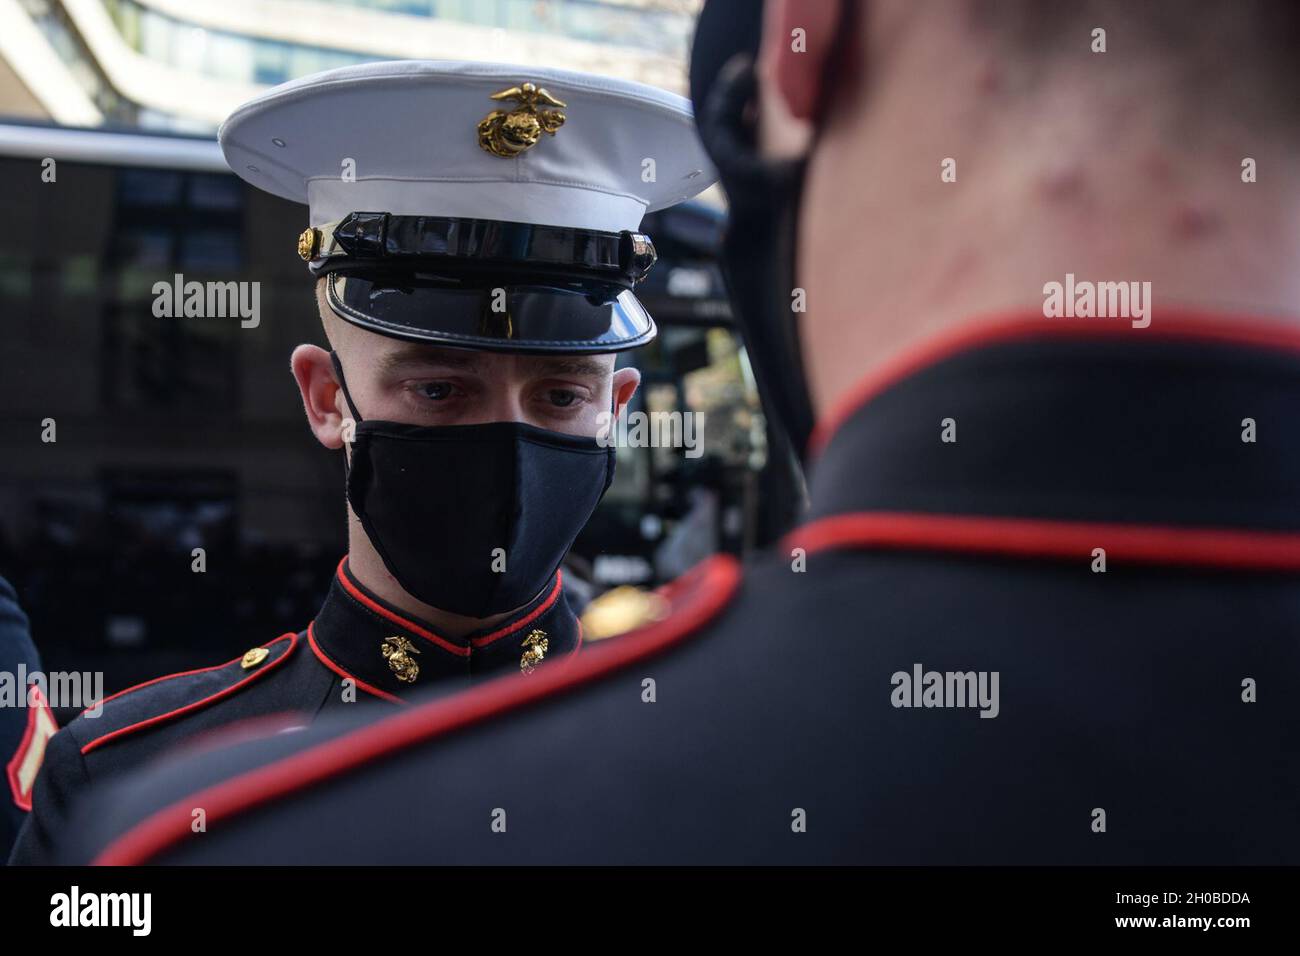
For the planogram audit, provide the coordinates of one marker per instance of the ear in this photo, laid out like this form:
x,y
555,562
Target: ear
x,y
798,39
625,382
322,398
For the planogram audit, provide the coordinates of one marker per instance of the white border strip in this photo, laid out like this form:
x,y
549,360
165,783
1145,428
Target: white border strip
x,y
126,149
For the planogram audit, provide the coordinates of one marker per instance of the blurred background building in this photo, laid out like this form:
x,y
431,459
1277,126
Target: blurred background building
x,y
183,65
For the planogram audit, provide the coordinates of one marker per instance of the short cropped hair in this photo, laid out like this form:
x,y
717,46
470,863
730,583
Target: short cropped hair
x,y
1224,54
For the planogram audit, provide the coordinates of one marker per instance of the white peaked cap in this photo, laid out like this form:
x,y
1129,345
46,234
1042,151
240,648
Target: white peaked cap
x,y
409,128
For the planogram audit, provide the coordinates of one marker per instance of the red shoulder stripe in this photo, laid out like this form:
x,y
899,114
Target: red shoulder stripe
x,y
698,597
197,670
198,704
1034,538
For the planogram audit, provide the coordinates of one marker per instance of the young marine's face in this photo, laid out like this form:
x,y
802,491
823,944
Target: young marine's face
x,y
418,384
426,385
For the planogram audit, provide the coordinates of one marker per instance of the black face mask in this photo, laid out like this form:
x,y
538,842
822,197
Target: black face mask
x,y
438,503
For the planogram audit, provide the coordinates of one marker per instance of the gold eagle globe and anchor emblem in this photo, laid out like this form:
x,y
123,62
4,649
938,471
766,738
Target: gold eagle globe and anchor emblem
x,y
397,651
535,646
253,658
507,133
308,244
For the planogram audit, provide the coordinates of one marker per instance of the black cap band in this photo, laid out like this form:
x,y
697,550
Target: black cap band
x,y
507,249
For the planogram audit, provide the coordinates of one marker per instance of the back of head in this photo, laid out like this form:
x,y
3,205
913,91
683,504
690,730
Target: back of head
x,y
962,154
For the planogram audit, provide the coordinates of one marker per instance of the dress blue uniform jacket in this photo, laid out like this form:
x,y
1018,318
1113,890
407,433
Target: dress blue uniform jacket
x,y
1070,635
358,650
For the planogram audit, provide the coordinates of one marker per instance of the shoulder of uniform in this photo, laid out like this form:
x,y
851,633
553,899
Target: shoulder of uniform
x,y
168,698
627,609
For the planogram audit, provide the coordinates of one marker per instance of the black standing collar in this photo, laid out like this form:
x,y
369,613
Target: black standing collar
x,y
358,635
1073,435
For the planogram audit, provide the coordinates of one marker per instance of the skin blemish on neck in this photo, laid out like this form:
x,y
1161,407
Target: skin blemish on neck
x,y
1193,222
1063,183
990,79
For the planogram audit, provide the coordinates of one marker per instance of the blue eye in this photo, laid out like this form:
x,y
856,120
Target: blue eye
x,y
435,391
561,398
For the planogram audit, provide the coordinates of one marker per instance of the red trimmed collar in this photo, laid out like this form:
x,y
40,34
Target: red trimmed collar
x,y
388,652
1052,438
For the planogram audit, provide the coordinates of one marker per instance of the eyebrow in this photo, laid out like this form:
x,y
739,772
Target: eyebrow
x,y
409,355
569,365
470,360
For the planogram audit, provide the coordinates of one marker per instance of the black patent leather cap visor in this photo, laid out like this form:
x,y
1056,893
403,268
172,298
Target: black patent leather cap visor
x,y
534,315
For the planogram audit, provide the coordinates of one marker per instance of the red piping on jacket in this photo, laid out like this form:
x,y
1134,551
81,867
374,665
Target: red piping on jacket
x,y
708,590
197,670
443,642
196,705
523,622
1031,537
1184,325
369,689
